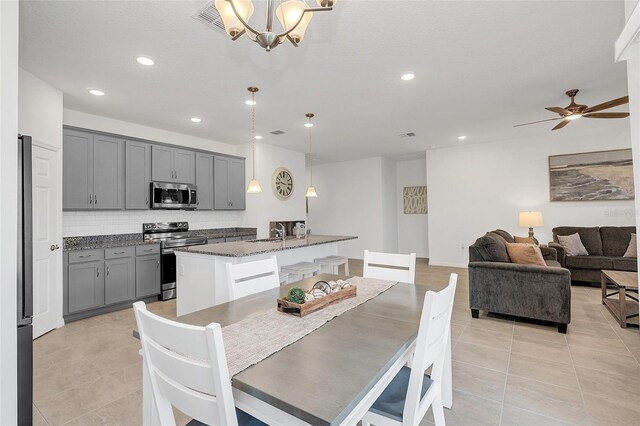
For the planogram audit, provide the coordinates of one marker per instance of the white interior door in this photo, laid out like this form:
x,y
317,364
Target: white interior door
x,y
47,253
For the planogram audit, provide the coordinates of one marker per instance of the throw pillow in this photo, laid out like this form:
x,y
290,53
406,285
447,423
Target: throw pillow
x,y
632,250
492,248
572,244
526,254
523,240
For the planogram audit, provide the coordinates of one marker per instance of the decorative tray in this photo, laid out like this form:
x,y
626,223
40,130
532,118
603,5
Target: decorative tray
x,y
315,301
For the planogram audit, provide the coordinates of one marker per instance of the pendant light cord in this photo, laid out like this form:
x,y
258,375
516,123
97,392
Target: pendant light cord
x,y
310,157
253,131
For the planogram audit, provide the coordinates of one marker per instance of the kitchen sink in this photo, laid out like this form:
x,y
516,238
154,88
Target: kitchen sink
x,y
270,240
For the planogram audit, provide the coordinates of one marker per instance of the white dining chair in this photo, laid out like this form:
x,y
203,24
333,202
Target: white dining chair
x,y
390,266
187,369
407,398
244,279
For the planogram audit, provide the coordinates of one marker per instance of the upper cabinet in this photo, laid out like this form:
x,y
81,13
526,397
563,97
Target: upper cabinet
x,y
204,181
173,164
93,171
229,192
137,175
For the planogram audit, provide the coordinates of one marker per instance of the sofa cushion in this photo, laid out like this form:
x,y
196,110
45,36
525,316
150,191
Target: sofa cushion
x,y
524,240
553,263
632,248
492,248
589,262
504,234
615,239
625,264
525,254
572,245
590,237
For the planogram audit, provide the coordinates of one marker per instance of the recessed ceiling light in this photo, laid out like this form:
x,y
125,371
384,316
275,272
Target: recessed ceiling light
x,y
308,124
196,119
145,60
250,102
257,137
461,138
96,92
408,76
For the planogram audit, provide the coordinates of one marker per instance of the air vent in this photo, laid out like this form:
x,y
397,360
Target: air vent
x,y
277,132
407,135
210,17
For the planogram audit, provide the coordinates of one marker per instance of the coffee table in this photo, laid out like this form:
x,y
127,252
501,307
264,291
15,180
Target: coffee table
x,y
626,284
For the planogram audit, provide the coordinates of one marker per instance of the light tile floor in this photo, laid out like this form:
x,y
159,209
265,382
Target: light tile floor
x,y
505,371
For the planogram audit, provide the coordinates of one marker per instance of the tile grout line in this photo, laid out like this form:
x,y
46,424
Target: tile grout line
x,y
584,404
506,376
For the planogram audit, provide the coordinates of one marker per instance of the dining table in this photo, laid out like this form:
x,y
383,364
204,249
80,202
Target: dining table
x,y
332,375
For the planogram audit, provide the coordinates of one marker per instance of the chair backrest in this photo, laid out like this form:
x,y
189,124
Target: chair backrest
x,y
390,266
187,367
431,345
248,278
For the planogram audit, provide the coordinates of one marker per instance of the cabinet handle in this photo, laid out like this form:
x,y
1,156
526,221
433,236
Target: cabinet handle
x,y
90,199
147,249
54,247
146,201
97,272
197,202
157,264
119,252
82,257
95,199
107,271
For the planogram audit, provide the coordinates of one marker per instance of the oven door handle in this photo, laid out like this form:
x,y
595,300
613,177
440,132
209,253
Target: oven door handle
x,y
167,251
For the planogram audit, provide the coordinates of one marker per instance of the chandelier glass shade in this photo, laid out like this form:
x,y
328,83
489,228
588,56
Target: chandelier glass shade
x,y
294,17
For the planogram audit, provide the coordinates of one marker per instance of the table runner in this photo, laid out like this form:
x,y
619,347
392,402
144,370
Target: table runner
x,y
253,339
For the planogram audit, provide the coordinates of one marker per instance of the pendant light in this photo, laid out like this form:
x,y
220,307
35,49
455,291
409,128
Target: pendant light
x,y
311,190
254,185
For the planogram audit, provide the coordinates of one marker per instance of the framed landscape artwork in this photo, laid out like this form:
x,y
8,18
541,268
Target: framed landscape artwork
x,y
414,199
590,176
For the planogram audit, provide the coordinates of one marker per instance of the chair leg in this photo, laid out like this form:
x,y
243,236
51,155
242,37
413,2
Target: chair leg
x,y
346,268
438,411
475,313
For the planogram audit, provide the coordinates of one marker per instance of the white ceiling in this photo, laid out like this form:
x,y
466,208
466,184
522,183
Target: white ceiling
x,y
481,67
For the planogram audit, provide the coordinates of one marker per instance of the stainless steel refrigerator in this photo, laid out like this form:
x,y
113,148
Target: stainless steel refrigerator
x,y
25,284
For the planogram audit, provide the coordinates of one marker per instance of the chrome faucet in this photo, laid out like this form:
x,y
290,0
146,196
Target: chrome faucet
x,y
282,232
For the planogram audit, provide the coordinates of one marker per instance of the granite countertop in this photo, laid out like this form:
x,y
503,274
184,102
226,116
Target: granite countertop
x,y
93,242
253,247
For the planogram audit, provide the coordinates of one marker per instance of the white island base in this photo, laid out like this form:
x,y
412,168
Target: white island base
x,y
201,272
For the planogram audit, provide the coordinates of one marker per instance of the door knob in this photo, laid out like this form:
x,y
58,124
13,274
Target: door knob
x,y
54,247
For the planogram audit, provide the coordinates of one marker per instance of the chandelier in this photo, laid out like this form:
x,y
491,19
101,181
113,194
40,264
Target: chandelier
x,y
294,16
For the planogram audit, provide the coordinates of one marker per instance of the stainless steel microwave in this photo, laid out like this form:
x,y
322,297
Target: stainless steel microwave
x,y
167,195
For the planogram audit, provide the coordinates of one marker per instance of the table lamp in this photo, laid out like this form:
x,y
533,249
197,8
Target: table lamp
x,y
530,220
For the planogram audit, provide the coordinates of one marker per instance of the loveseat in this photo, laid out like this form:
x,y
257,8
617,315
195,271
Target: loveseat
x,y
531,291
606,246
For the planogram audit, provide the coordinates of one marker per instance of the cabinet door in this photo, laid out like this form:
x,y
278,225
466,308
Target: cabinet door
x,y
204,181
108,173
236,184
162,163
77,170
138,175
221,184
86,286
184,166
147,275
119,280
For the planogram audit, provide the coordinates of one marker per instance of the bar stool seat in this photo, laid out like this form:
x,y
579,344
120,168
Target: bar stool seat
x,y
333,262
301,270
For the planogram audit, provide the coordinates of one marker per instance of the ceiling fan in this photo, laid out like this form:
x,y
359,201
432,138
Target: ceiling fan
x,y
574,111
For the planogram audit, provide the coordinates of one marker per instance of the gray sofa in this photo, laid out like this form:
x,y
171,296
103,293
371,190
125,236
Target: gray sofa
x,y
606,246
530,291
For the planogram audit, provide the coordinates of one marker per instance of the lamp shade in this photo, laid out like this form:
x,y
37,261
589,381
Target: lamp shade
x,y
289,13
232,24
254,187
530,219
311,192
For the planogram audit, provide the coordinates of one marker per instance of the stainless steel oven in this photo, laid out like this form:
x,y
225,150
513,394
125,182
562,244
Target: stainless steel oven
x,y
168,195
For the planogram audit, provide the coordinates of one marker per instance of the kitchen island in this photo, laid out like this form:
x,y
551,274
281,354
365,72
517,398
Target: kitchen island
x,y
201,273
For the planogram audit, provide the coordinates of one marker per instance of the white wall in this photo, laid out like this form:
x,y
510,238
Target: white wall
x,y
476,188
265,207
389,208
8,202
413,235
40,110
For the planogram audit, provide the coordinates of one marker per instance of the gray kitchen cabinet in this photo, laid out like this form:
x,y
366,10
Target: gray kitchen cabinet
x,y
232,239
137,175
249,237
77,170
228,183
93,176
147,275
172,164
204,181
86,286
119,280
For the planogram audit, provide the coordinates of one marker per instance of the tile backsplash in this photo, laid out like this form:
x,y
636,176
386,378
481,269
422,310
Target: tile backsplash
x,y
76,224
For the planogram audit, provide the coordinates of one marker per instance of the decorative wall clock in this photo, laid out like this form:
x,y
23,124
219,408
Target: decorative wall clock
x,y
282,183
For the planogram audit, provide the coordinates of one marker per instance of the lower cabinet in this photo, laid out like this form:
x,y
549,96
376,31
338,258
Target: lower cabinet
x,y
147,275
86,286
119,280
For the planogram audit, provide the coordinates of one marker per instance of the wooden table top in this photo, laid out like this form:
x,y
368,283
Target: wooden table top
x,y
322,376
626,279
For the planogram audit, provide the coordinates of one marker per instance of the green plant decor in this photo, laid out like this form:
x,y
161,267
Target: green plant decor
x,y
296,295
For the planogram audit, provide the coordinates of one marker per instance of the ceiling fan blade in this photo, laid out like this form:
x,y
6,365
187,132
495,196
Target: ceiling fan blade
x,y
541,121
606,115
561,124
559,110
613,103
